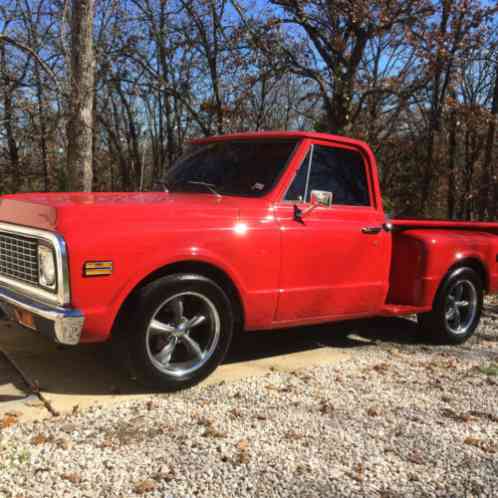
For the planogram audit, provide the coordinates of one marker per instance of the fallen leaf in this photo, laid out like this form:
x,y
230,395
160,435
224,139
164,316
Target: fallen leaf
x,y
7,421
472,441
293,436
302,468
39,439
106,443
373,412
42,469
166,476
326,408
206,422
416,457
381,368
359,474
63,443
212,432
282,389
244,457
490,416
235,412
486,446
74,478
243,444
146,486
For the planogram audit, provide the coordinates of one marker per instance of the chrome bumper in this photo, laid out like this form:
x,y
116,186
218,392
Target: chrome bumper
x,y
63,325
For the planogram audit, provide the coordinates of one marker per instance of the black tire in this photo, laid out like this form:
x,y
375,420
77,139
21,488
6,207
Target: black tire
x,y
441,324
161,297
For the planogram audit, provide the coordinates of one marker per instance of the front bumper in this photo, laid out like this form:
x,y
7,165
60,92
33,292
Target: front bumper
x,y
62,325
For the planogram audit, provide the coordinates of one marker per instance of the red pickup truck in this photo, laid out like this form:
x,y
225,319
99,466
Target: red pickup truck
x,y
249,231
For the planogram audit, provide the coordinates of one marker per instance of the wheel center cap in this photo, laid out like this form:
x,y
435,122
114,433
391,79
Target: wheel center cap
x,y
181,328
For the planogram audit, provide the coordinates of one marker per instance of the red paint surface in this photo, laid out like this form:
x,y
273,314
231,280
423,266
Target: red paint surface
x,y
286,273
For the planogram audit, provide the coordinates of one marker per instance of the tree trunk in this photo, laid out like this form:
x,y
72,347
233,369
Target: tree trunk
x,y
80,123
43,128
14,170
452,150
489,169
441,72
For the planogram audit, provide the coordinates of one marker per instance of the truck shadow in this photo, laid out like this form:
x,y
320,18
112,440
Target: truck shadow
x,y
344,336
92,371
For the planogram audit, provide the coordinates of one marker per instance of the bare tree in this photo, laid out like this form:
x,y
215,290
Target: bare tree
x,y
80,122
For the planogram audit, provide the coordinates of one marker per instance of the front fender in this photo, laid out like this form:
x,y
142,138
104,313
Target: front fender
x,y
186,255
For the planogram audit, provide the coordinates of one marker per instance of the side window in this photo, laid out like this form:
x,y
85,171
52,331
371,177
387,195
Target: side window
x,y
297,189
341,172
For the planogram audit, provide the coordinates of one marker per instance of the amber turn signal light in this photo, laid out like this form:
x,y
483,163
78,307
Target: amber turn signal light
x,y
97,268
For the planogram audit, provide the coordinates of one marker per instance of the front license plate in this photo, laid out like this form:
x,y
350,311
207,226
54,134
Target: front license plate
x,y
25,318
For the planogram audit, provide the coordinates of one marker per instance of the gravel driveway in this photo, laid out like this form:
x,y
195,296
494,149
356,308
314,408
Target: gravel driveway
x,y
399,419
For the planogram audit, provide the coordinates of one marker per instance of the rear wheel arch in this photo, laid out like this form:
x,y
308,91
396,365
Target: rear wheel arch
x,y
201,268
474,264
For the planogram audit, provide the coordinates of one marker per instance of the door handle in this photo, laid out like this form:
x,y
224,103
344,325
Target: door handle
x,y
371,230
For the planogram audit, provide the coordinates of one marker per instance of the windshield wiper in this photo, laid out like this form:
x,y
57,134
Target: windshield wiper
x,y
209,186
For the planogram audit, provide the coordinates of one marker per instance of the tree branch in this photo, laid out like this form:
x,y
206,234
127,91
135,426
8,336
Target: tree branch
x,y
21,46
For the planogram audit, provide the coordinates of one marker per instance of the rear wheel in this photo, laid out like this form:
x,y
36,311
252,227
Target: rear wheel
x,y
181,330
457,308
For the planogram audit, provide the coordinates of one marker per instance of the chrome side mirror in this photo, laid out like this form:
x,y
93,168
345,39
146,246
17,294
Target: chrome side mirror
x,y
321,198
318,198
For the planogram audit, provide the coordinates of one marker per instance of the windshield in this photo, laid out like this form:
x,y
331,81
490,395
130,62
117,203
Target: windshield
x,y
240,168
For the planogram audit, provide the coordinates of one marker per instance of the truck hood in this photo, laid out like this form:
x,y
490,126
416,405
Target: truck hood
x,y
58,211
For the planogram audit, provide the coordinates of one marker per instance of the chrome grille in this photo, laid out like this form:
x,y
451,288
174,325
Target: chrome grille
x,y
19,258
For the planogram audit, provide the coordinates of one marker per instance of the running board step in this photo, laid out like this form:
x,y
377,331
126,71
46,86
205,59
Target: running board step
x,y
401,309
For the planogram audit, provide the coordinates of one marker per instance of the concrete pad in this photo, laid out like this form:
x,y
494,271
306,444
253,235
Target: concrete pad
x,y
76,378
281,363
10,392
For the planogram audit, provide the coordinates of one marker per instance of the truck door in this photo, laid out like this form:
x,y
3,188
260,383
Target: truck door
x,y
335,260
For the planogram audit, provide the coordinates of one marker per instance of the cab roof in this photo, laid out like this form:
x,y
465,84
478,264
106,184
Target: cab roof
x,y
282,135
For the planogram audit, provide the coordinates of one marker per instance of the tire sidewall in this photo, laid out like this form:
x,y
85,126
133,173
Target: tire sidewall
x,y
149,299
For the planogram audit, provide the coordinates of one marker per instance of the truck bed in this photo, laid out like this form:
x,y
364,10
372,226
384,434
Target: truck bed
x,y
423,251
475,226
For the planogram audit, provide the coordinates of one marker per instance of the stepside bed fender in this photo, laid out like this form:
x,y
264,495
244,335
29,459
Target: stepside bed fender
x,y
423,257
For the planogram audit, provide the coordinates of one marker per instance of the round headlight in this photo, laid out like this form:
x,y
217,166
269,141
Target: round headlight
x,y
46,266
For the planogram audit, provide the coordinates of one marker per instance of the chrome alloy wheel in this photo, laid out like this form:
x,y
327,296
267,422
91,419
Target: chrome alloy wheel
x,y
461,306
183,333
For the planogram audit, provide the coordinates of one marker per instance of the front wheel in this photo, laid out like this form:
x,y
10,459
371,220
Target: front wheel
x,y
457,308
181,331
